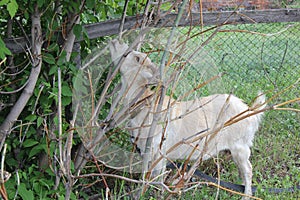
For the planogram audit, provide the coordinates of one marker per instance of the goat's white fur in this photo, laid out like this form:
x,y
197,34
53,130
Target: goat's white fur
x,y
186,118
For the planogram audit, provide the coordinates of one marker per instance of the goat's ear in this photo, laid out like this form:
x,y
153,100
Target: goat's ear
x,y
117,49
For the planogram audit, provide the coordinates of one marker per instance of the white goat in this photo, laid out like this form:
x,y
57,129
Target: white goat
x,y
186,119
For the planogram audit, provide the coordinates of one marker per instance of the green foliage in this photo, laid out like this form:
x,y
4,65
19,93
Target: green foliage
x,y
33,143
35,136
11,6
3,50
24,193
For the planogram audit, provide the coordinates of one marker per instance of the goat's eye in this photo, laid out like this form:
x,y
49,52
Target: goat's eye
x,y
137,59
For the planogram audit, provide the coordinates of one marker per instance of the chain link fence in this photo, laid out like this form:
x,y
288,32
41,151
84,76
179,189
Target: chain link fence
x,y
253,56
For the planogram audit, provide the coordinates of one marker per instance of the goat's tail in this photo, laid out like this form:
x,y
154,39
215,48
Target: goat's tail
x,y
260,102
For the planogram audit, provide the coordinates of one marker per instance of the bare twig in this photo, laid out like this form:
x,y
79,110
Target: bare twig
x,y
282,91
2,61
123,19
68,146
263,66
18,184
277,106
146,18
19,70
59,113
3,179
38,97
2,163
17,90
95,57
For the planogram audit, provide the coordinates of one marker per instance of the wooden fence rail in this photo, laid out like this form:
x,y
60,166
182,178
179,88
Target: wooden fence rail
x,y
18,45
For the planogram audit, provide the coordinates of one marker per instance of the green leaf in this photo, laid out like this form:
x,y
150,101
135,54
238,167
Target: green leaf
x,y
61,197
30,143
66,91
39,121
35,150
3,49
53,47
12,8
31,169
53,70
77,30
44,183
66,101
41,3
26,14
90,4
31,118
24,176
166,6
24,193
48,58
86,37
62,58
4,2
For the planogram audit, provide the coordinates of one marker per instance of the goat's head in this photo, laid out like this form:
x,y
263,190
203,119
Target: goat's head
x,y
137,70
138,67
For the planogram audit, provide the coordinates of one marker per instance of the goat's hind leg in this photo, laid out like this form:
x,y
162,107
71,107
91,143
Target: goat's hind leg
x,y
241,157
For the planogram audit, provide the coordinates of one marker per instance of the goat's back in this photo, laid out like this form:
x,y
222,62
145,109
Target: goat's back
x,y
190,119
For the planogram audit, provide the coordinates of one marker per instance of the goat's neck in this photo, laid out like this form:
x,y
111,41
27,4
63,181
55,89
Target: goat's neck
x,y
137,93
139,99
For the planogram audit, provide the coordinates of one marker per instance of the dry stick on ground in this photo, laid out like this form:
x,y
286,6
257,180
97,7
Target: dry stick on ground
x,y
37,40
226,189
126,179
